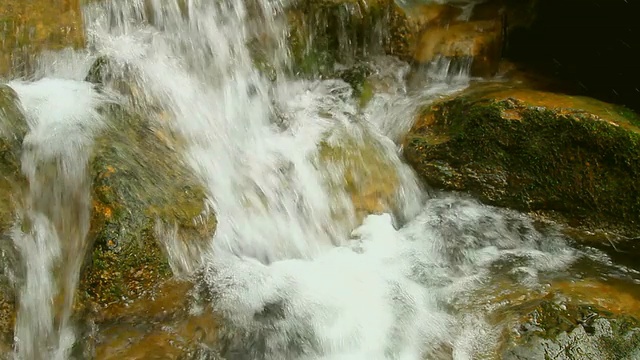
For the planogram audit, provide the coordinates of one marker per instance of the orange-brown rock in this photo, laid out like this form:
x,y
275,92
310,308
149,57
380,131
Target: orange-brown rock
x,y
157,328
480,40
29,26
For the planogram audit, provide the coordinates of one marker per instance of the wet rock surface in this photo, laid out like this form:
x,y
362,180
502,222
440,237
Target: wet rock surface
x,y
31,26
13,127
571,158
561,331
141,189
363,172
324,33
12,130
162,327
144,200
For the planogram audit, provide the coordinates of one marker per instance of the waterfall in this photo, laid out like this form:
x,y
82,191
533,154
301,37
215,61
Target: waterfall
x,y
297,269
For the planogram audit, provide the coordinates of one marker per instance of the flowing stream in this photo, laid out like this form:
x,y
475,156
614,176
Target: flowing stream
x,y
286,269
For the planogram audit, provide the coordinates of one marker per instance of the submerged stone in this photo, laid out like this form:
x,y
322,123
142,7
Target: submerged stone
x,y
162,327
560,331
361,169
575,159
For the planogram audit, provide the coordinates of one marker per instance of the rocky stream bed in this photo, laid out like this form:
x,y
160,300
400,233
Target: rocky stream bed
x,y
509,139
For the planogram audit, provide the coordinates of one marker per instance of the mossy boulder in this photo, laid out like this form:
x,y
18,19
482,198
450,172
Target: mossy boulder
x,y
563,331
575,159
139,183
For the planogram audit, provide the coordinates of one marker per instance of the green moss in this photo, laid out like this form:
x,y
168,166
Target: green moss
x,y
366,94
533,158
322,33
138,180
13,127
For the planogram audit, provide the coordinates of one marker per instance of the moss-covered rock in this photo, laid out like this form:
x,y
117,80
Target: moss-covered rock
x,y
12,130
561,331
139,181
13,127
574,158
323,33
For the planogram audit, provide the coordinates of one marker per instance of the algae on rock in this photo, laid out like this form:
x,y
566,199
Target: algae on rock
x,y
534,151
138,180
324,33
31,26
13,127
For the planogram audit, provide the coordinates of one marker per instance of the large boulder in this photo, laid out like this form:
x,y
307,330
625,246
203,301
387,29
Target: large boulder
x,y
573,158
145,203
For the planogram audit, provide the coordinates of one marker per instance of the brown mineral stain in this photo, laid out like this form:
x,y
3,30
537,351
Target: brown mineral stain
x,y
609,296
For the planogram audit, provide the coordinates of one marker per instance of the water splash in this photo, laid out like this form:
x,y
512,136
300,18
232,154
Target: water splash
x,y
388,294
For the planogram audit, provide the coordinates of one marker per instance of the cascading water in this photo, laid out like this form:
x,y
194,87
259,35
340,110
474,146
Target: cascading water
x,y
51,232
284,271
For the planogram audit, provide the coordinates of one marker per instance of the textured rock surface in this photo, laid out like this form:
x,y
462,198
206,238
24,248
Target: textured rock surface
x,y
31,26
138,180
12,130
323,33
558,331
574,158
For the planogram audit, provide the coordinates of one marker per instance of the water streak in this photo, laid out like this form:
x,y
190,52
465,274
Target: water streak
x,y
51,234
